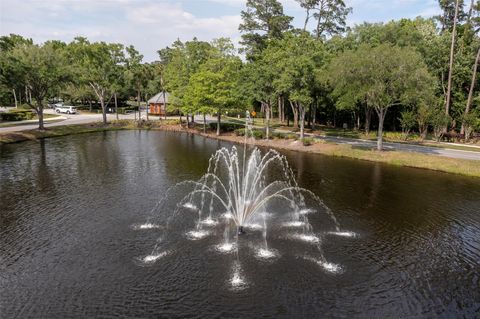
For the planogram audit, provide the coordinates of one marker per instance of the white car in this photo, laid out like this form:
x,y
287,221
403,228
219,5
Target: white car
x,y
66,109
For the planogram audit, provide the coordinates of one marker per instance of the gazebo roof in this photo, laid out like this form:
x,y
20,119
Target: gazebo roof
x,y
158,98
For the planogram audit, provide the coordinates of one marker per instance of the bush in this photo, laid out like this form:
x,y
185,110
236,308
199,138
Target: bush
x,y
17,115
279,135
307,141
226,127
240,132
256,134
291,136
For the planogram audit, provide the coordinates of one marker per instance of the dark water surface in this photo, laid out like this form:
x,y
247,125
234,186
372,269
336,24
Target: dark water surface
x,y
68,248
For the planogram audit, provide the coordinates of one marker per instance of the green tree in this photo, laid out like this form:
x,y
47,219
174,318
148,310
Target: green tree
x,y
98,65
330,15
183,60
213,87
42,69
382,76
263,20
11,87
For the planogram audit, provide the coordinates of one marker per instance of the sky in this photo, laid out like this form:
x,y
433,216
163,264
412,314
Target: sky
x,y
150,25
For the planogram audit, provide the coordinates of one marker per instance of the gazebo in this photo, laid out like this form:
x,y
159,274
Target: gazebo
x,y
158,104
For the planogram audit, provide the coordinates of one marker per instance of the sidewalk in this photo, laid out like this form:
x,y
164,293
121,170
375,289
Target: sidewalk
x,y
29,122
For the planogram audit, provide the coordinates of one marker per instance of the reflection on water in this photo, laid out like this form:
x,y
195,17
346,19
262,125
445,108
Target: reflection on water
x,y
72,214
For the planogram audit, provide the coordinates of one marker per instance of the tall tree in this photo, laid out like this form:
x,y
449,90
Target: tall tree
x,y
448,94
262,20
295,58
41,69
213,87
471,90
330,15
10,87
382,76
98,65
452,13
183,60
136,74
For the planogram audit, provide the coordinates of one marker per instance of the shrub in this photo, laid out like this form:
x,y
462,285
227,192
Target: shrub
x,y
307,141
291,136
240,132
17,115
226,127
258,134
279,135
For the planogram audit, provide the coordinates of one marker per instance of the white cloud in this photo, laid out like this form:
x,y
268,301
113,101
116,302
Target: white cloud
x,y
153,24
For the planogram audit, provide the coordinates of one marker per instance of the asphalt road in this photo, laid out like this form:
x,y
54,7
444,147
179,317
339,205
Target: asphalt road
x,y
452,153
70,120
91,118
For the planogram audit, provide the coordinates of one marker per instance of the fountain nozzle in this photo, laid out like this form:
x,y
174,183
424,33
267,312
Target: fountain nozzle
x,y
240,230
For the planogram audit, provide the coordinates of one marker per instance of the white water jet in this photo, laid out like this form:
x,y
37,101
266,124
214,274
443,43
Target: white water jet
x,y
253,226
190,206
307,238
343,234
306,211
237,281
209,222
294,224
226,247
243,194
264,253
150,259
197,234
146,226
327,266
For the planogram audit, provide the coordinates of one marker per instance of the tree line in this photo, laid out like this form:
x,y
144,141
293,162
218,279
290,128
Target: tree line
x,y
411,74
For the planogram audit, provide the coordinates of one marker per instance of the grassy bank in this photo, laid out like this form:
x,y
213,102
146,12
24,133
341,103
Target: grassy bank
x,y
56,131
416,160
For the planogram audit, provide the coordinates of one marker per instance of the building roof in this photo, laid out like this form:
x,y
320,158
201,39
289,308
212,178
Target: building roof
x,y
158,98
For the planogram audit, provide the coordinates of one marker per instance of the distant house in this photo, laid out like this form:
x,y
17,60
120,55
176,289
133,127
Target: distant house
x,y
158,103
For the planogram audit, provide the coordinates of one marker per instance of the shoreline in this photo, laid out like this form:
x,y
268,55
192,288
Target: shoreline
x,y
463,167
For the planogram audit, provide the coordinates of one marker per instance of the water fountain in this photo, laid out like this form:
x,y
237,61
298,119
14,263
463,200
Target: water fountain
x,y
243,194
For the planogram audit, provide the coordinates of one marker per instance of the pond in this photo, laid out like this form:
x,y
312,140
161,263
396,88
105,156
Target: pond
x,y
69,247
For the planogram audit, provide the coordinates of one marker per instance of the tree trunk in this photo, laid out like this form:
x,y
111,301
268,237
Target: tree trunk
x,y
452,53
41,127
306,20
146,107
90,104
470,12
279,109
15,98
204,123
470,92
138,103
295,114
116,106
164,103
267,115
381,119
104,110
219,118
301,109
368,119
314,120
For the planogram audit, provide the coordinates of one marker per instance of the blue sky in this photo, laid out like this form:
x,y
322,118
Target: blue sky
x,y
153,24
